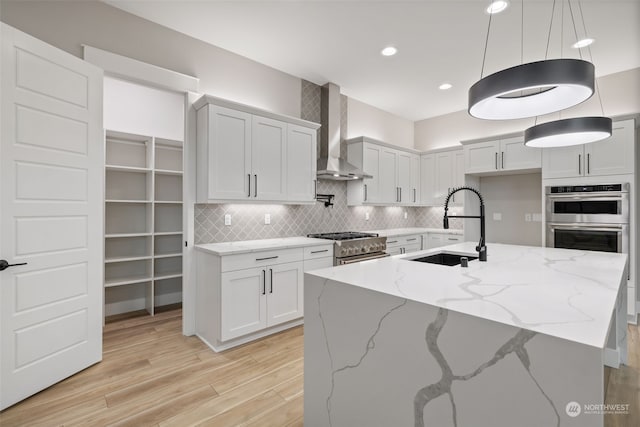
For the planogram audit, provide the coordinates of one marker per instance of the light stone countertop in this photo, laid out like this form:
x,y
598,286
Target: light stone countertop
x,y
568,294
413,230
247,246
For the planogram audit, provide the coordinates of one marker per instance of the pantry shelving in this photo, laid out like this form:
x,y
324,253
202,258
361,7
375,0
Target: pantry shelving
x,y
143,222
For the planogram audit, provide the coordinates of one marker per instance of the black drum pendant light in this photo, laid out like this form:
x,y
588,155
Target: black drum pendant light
x,y
572,131
531,89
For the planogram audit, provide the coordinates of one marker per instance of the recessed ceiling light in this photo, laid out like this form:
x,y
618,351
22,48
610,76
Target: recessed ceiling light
x,y
445,86
497,6
389,51
582,43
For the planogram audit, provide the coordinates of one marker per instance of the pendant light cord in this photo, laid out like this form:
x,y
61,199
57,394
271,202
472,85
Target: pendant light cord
x,y
575,31
486,43
522,32
595,80
553,12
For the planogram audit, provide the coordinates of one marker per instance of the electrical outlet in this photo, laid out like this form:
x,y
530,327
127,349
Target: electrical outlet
x,y
537,217
497,216
527,217
227,219
405,215
366,216
267,219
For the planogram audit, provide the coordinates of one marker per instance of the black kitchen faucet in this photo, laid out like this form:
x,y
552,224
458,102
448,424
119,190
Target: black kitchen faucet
x,y
481,248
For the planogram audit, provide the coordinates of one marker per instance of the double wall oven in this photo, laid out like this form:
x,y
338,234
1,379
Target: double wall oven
x,y
588,217
352,246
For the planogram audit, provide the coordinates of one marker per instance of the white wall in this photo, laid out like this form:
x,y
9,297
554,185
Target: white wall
x,y
365,120
619,94
69,24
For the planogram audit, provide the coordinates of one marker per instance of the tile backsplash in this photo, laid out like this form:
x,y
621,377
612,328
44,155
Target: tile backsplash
x,y
247,221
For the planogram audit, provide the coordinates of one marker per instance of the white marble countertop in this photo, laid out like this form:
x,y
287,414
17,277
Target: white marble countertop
x,y
568,294
413,230
246,246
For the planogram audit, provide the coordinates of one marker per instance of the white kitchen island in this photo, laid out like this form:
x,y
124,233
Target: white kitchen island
x,y
520,340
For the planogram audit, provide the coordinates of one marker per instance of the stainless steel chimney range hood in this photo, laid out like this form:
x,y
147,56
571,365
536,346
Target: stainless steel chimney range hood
x,y
330,165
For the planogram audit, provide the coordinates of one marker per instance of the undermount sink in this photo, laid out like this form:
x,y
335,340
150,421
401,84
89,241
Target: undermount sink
x,y
444,258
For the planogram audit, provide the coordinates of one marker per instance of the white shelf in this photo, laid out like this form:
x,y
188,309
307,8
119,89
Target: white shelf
x,y
124,259
119,235
126,281
127,168
170,255
143,222
168,172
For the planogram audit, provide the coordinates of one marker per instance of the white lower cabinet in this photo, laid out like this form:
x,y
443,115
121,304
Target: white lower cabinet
x,y
241,297
403,244
436,240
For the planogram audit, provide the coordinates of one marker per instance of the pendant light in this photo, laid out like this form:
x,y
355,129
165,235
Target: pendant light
x,y
532,89
573,131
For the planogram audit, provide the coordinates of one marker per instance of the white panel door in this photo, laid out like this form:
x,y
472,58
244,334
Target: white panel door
x,y
243,302
482,157
403,177
389,192
269,159
371,165
51,198
414,195
284,293
301,163
427,179
514,155
444,176
563,162
458,176
229,163
614,155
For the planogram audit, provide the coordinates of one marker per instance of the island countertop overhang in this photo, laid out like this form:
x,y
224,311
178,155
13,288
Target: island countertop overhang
x,y
568,294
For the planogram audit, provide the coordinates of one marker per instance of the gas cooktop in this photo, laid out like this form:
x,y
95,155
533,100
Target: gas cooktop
x,y
344,235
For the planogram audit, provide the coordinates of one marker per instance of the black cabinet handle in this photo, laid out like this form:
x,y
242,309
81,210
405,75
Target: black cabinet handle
x,y
315,188
496,160
365,192
249,186
264,282
579,164
271,280
412,240
269,257
317,252
255,187
414,195
4,264
502,159
588,163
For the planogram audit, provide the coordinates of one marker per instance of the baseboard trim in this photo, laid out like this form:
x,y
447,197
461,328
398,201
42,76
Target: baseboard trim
x,y
219,347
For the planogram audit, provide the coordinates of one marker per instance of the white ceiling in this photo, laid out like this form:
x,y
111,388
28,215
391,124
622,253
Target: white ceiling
x,y
437,41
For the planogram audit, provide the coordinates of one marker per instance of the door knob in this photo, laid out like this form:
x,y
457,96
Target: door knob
x,y
4,264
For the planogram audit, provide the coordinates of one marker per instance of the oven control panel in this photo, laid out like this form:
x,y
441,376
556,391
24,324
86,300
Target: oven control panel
x,y
347,248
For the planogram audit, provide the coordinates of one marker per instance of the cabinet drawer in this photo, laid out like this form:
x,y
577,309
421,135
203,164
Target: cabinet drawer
x,y
318,251
394,241
436,240
316,263
260,259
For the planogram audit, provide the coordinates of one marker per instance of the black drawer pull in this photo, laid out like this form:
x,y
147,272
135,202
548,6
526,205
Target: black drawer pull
x,y
269,257
318,252
411,240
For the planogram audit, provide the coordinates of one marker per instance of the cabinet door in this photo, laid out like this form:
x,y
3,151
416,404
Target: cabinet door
x,y
301,163
403,177
243,302
317,263
414,195
371,165
444,176
427,179
268,159
481,157
563,162
284,293
229,154
458,176
614,155
515,155
387,171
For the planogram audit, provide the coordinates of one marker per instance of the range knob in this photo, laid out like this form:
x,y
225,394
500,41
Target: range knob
x,y
366,248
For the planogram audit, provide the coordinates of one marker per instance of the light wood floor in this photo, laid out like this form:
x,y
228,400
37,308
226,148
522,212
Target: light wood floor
x,y
152,375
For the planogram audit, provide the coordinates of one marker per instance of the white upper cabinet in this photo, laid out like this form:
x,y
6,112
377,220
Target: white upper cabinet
x,y
440,173
509,154
612,156
395,174
246,154
301,174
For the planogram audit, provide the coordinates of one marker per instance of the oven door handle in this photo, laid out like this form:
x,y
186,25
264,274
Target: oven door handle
x,y
363,258
587,196
583,226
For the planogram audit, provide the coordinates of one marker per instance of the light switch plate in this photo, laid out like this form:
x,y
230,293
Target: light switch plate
x,y
227,219
267,219
537,217
497,216
405,214
527,217
366,216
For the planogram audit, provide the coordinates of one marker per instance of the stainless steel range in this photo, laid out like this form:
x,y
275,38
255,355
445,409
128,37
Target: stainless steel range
x,y
351,246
